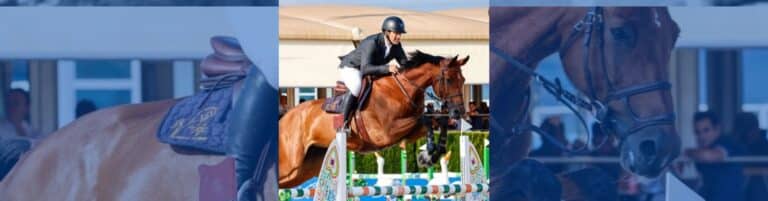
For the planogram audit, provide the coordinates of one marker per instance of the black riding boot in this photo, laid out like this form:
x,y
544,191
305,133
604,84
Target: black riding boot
x,y
253,138
350,105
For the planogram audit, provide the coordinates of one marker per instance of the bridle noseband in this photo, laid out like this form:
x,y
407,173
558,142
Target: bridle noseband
x,y
592,21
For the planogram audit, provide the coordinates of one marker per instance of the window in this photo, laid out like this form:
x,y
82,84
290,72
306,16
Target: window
x,y
486,91
106,83
305,94
20,74
104,98
703,79
99,69
754,71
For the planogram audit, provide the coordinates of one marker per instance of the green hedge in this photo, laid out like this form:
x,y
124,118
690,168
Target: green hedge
x,y
366,163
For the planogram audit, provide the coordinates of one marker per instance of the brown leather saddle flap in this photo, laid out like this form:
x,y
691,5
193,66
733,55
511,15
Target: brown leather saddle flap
x,y
335,104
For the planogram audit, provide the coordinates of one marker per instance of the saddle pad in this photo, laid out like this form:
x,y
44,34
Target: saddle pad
x,y
334,104
199,121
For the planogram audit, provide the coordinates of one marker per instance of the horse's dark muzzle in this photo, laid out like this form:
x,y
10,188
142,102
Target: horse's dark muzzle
x,y
648,152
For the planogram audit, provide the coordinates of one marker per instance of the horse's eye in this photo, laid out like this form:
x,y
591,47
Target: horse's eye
x,y
625,35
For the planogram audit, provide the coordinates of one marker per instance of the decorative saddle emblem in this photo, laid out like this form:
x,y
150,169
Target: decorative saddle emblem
x,y
199,121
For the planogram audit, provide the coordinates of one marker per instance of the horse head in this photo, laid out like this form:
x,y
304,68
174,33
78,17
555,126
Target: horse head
x,y
442,74
618,57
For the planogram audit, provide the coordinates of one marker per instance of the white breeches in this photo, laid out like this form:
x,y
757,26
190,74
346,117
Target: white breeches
x,y
352,78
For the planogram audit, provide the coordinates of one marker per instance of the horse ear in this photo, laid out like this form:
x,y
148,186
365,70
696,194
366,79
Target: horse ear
x,y
463,61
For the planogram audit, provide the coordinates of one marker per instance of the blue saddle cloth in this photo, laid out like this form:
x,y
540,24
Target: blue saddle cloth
x,y
199,121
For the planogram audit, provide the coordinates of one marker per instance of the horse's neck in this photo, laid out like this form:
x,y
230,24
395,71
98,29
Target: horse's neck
x,y
515,33
392,106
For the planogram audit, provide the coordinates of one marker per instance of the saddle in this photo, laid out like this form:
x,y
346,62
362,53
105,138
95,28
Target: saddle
x,y
334,105
198,124
228,57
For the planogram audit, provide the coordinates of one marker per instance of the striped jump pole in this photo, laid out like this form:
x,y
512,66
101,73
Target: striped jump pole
x,y
450,189
417,190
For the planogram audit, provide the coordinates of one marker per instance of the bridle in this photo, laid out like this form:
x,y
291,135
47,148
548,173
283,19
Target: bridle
x,y
442,80
592,21
442,96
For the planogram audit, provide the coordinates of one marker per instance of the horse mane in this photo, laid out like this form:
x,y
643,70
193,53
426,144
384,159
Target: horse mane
x,y
418,58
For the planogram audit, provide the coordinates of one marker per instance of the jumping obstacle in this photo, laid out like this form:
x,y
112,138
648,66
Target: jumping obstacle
x,y
332,180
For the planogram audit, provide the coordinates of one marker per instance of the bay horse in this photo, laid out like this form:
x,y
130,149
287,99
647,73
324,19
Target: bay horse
x,y
393,113
113,153
617,57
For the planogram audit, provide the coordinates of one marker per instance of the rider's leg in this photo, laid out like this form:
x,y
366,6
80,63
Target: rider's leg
x,y
253,129
352,78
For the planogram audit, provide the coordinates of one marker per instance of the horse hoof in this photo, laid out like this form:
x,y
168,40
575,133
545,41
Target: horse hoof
x,y
424,160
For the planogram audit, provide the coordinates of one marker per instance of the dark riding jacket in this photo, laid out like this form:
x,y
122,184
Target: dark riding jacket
x,y
369,56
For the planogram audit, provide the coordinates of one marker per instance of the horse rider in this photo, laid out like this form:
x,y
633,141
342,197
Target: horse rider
x,y
371,57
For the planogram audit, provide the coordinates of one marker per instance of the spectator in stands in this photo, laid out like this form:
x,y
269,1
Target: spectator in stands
x,y
720,181
753,138
16,134
554,127
484,110
84,107
474,119
430,108
452,125
16,123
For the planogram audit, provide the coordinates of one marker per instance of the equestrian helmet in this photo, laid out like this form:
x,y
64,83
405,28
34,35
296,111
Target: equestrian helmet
x,y
393,24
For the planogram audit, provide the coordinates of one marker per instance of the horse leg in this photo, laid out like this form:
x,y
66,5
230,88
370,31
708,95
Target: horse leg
x,y
425,158
309,167
291,159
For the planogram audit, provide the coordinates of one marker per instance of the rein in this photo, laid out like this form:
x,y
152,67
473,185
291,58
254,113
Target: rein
x,y
441,79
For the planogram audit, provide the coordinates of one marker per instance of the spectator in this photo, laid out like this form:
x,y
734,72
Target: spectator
x,y
84,107
452,125
753,138
16,135
474,119
554,127
484,110
430,108
16,125
720,181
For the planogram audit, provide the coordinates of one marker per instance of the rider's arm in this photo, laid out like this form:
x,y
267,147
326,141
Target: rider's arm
x,y
368,48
